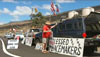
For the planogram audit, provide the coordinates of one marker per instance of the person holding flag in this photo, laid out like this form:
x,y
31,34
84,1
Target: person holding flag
x,y
46,35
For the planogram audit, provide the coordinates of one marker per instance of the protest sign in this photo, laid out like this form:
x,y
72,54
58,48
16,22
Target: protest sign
x,y
28,41
38,46
12,44
67,46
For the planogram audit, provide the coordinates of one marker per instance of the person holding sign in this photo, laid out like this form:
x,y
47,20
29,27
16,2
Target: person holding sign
x,y
46,35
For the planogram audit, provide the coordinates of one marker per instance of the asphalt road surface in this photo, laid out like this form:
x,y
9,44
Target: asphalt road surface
x,y
26,51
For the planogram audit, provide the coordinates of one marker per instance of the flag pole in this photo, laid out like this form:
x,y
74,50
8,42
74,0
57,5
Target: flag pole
x,y
52,9
50,12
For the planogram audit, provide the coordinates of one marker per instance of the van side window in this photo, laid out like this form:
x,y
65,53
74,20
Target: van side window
x,y
69,26
78,26
62,26
75,26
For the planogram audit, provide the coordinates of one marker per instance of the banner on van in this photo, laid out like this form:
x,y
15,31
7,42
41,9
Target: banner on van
x,y
67,46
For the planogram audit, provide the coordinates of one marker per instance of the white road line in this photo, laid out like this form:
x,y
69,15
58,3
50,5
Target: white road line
x,y
6,52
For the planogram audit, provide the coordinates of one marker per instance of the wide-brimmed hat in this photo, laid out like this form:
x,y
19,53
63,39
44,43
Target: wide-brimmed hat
x,y
48,22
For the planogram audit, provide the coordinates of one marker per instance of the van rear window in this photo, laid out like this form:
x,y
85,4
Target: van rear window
x,y
98,26
78,26
92,27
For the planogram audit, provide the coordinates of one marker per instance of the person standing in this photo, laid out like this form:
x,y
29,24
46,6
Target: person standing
x,y
46,35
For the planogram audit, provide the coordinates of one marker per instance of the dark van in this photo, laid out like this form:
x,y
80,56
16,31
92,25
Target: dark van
x,y
74,28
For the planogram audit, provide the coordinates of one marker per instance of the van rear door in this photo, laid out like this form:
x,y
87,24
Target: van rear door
x,y
92,24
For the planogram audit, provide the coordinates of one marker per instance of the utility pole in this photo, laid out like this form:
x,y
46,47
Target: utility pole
x,y
31,14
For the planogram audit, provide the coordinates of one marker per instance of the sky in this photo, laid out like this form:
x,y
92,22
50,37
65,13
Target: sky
x,y
20,10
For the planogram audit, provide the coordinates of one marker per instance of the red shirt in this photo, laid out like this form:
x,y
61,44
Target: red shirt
x,y
46,34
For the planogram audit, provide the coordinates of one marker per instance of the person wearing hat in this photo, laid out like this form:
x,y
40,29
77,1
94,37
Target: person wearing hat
x,y
46,35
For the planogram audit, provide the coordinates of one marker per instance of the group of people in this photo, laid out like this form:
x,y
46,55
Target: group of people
x,y
47,34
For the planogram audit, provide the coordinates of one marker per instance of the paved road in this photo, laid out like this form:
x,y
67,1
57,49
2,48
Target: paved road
x,y
2,54
26,51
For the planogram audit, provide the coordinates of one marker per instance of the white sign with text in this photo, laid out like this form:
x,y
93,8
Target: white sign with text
x,y
28,41
12,44
67,46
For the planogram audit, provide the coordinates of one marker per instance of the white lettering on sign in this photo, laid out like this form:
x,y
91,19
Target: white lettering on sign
x,y
12,44
28,41
67,46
